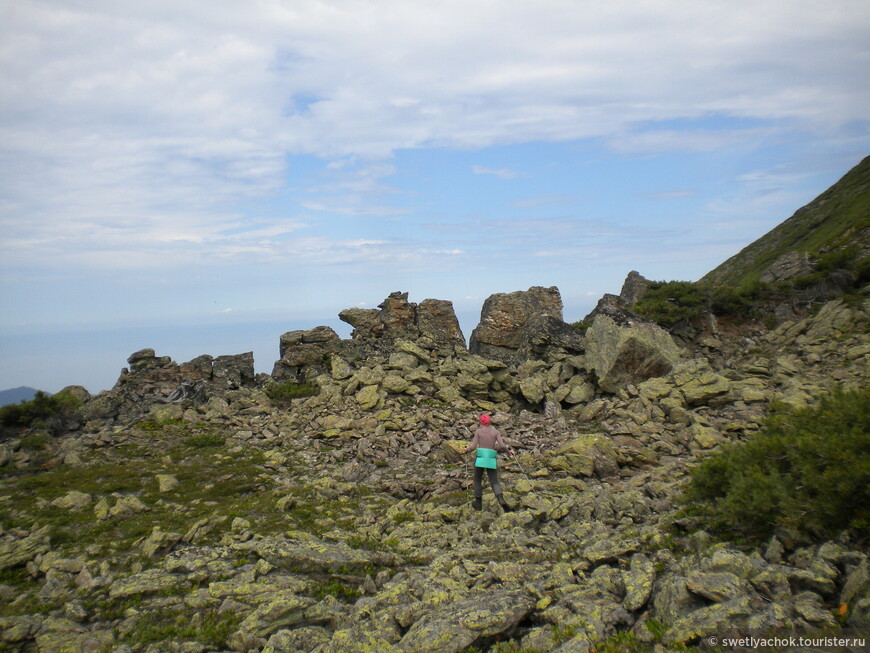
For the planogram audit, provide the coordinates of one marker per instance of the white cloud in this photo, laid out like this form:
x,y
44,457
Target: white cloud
x,y
132,126
503,173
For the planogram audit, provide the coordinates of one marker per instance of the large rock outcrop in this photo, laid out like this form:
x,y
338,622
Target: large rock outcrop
x,y
432,322
304,353
151,377
504,317
546,337
622,348
634,288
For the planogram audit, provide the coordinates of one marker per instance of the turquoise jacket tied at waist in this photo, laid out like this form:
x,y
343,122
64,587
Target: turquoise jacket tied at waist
x,y
486,458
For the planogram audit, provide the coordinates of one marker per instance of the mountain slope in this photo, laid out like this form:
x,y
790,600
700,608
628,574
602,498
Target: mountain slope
x,y
16,395
836,219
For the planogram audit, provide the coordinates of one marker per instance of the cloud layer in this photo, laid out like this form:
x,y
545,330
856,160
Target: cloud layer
x,y
131,130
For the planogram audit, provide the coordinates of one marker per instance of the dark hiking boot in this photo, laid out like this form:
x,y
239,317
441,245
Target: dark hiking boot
x,y
477,504
503,503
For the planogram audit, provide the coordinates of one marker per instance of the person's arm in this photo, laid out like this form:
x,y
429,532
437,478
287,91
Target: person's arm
x,y
501,444
471,447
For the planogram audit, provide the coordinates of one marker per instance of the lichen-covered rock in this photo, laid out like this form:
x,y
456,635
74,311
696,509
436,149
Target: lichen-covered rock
x,y
455,449
585,454
634,288
145,582
66,636
856,595
352,641
638,581
73,500
534,388
628,352
787,266
282,610
698,383
705,437
457,625
717,586
672,600
579,391
16,551
599,613
166,482
437,323
547,337
710,620
312,556
433,322
304,353
504,316
127,506
369,397
395,384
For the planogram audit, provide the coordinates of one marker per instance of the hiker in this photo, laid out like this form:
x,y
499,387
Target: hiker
x,y
487,442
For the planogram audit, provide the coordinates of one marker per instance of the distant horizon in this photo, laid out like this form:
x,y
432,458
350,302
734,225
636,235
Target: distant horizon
x,y
100,368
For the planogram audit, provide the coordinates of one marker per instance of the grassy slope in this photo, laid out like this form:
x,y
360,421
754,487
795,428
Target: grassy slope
x,y
837,217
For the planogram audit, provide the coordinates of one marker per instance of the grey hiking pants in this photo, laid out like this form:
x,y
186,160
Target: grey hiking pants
x,y
493,481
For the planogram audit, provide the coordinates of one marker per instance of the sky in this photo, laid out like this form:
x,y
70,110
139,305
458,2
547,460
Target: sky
x,y
200,177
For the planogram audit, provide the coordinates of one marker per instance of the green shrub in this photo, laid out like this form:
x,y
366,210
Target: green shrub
x,y
338,590
807,471
206,439
290,390
38,410
669,302
34,441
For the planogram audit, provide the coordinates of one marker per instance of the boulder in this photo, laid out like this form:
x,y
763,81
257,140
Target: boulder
x,y
787,266
73,500
634,288
629,350
437,323
699,384
457,625
546,337
587,455
304,353
638,581
17,551
398,316
77,392
283,610
432,322
364,321
504,316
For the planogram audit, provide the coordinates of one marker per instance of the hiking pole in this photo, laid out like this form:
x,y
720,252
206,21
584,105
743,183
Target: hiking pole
x,y
517,461
467,482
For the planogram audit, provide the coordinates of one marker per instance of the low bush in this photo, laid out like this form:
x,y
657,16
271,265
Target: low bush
x,y
807,473
290,390
669,302
39,411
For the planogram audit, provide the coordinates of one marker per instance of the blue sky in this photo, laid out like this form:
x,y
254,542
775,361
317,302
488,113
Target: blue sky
x,y
200,177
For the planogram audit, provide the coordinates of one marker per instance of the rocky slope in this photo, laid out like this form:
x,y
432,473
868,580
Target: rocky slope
x,y
186,510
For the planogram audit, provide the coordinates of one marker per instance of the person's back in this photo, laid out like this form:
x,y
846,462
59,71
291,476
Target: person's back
x,y
486,442
488,437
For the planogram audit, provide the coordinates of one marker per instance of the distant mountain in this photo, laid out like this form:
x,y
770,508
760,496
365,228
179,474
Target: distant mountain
x,y
837,222
16,395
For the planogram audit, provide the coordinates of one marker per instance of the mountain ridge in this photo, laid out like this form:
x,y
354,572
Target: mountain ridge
x,y
16,395
837,218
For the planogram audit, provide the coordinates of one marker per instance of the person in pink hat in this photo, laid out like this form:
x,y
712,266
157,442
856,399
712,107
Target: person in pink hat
x,y
487,443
